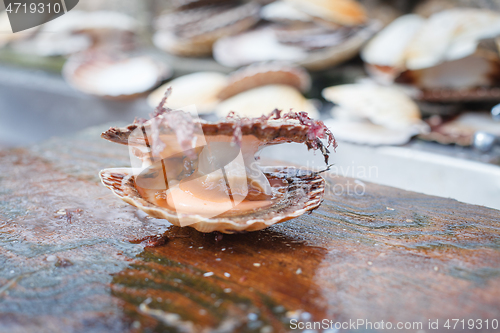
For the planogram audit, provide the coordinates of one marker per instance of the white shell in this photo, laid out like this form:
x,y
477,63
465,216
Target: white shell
x,y
388,47
450,35
54,44
386,106
263,100
280,11
254,46
476,70
411,42
199,88
114,78
364,132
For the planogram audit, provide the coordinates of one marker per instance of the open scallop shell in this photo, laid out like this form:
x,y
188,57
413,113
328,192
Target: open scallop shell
x,y
299,190
304,193
117,78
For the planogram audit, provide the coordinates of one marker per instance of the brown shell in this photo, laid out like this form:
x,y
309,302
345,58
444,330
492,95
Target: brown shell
x,y
304,193
261,74
268,130
312,36
460,95
191,4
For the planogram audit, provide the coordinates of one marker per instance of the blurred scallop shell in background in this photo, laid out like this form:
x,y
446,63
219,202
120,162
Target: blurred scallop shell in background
x,y
315,34
343,12
200,89
266,73
441,52
79,31
254,46
367,133
283,12
193,32
114,77
264,99
371,114
460,130
263,44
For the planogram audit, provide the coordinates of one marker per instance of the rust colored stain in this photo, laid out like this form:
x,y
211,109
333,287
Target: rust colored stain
x,y
75,258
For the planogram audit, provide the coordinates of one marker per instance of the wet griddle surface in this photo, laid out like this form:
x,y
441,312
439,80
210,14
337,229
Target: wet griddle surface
x,y
74,258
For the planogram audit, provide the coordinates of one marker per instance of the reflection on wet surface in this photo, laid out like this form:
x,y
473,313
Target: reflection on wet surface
x,y
74,258
243,282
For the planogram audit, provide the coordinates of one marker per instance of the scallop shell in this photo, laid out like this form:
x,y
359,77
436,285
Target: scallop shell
x,y
260,74
384,54
282,12
374,115
262,100
303,192
367,133
460,78
385,106
344,12
254,46
198,29
414,44
117,78
200,89
460,130
263,45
